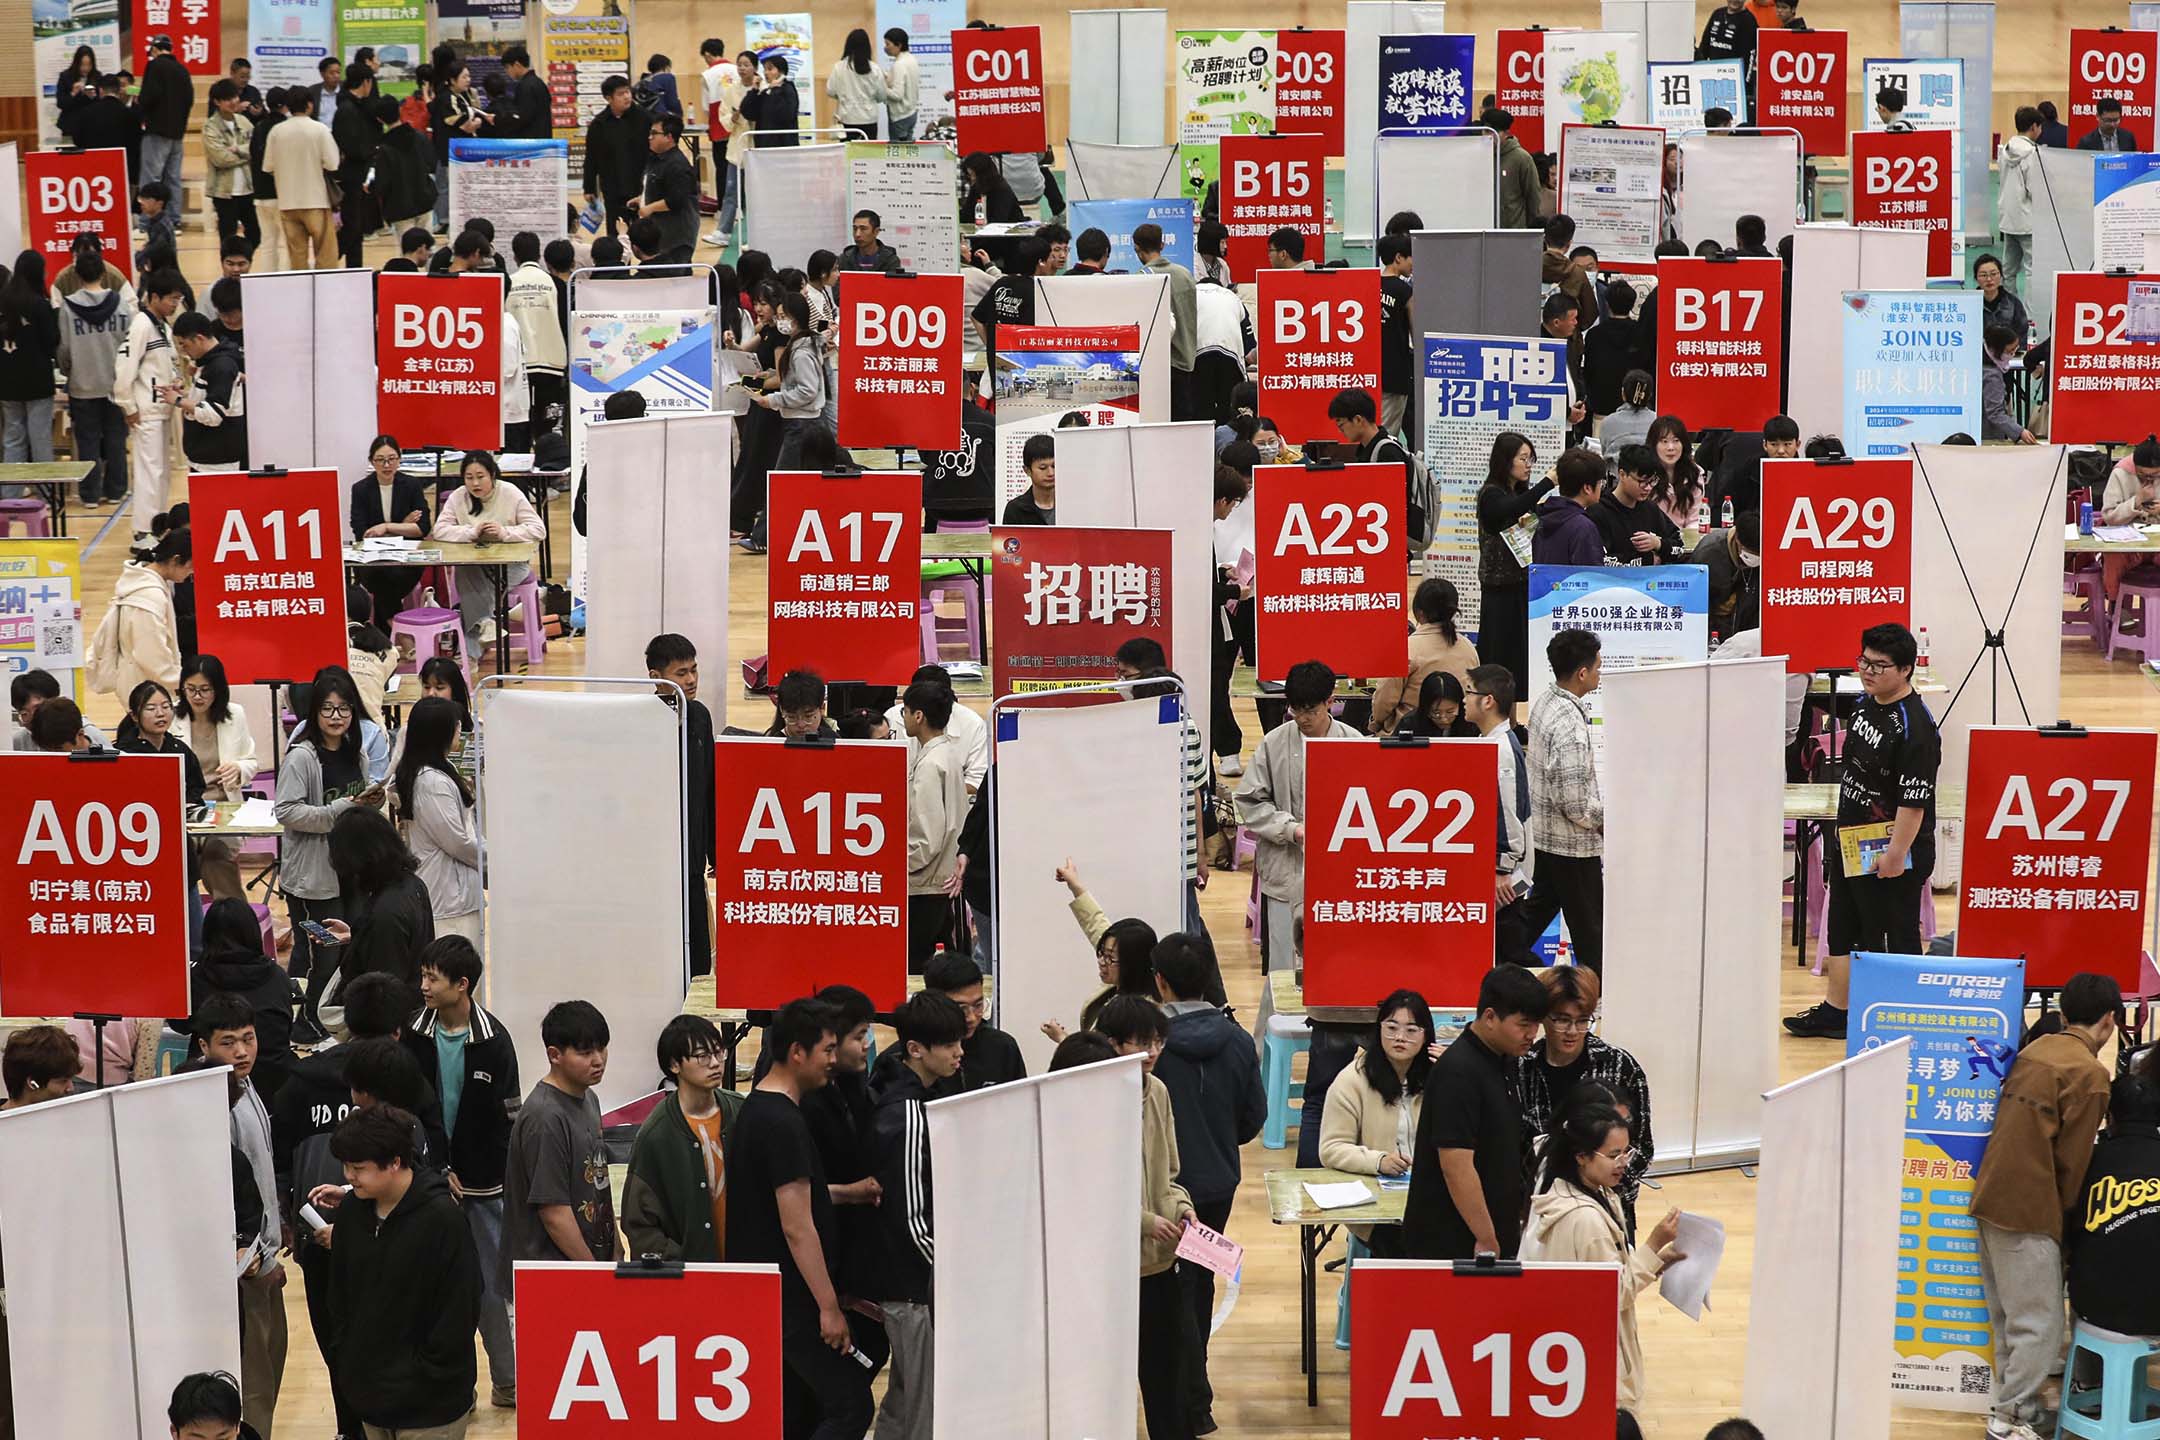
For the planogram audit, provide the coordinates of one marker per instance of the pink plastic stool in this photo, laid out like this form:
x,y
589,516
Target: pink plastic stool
x,y
968,631
2093,619
963,527
530,634
32,514
269,931
426,629
1252,905
2142,596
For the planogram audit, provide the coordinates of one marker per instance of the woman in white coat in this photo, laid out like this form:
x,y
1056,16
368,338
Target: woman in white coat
x,y
1370,1124
435,808
216,729
139,639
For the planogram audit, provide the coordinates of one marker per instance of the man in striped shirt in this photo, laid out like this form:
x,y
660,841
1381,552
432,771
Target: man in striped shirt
x,y
1567,810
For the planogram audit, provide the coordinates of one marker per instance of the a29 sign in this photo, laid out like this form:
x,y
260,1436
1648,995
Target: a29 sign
x,y
1269,183
900,377
1720,352
1319,335
1902,181
1837,557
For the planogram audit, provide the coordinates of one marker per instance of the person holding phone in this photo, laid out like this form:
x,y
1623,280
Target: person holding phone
x,y
326,773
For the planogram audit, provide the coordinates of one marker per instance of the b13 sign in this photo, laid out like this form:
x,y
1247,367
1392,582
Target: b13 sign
x,y
1720,346
93,909
1901,181
998,89
2103,382
1331,569
1800,79
1484,1357
1837,557
845,575
2058,831
81,192
900,361
1269,182
1319,334
601,1358
269,573
1399,856
1520,60
1309,85
2118,63
438,360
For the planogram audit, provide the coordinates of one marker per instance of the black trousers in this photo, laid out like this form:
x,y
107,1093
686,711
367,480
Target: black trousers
x,y
1199,1283
1574,886
387,586
550,393
236,216
1503,636
1867,912
1166,1353
1227,737
826,1395
315,1275
1512,939
929,925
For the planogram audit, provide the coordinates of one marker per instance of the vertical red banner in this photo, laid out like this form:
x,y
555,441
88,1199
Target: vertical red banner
x,y
192,25
269,572
1309,85
810,837
1319,334
438,360
844,581
2058,842
1269,182
1400,888
1720,352
1800,76
94,905
900,376
78,192
2102,382
2116,63
1836,557
1063,598
1520,88
998,90
1331,569
1901,180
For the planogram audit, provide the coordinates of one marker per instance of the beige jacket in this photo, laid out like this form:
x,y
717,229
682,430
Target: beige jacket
x,y
1271,800
1568,1223
1394,698
1358,1129
145,631
233,743
937,804
1160,1193
299,152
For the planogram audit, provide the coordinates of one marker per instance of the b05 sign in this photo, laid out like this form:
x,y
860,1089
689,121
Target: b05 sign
x,y
438,360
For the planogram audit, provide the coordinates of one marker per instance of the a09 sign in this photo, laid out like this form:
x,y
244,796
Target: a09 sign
x,y
900,377
83,192
1319,335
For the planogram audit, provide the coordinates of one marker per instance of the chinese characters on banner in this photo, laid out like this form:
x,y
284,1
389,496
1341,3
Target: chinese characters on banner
x,y
438,360
93,909
269,573
1309,85
2117,63
845,575
1520,62
1319,334
809,837
2058,828
1399,857
78,192
1902,181
1331,569
1912,363
1425,81
192,26
2103,382
1684,92
1836,558
1612,185
1062,599
1048,378
1641,616
1720,343
1225,86
1269,182
900,361
1801,75
998,89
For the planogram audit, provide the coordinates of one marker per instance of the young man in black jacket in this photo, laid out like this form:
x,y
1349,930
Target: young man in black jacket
x,y
988,1056
165,100
1635,528
2113,1231
213,412
531,105
616,152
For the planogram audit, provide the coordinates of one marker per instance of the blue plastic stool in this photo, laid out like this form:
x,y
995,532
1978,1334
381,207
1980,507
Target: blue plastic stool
x,y
1355,1251
2126,1363
1286,1036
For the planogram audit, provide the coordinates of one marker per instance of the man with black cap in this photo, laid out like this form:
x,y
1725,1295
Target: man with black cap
x,y
166,101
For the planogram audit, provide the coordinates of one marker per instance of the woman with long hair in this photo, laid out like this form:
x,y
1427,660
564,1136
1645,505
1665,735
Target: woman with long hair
x,y
1124,952
1679,488
1506,497
1435,645
144,639
759,427
444,679
325,774
1370,1124
1569,1055
486,511
435,804
216,731
989,199
857,88
29,343
78,84
1439,713
387,502
147,729
388,919
803,392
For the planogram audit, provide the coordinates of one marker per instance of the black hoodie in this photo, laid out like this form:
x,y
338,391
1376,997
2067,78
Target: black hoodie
x,y
224,395
2113,1233
311,1102
255,978
1213,1074
899,1252
404,1299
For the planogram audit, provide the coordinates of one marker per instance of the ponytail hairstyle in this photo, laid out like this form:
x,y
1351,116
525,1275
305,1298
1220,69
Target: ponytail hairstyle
x,y
1436,603
1636,388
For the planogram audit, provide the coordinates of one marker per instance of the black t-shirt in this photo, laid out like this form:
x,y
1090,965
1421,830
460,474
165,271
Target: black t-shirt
x,y
772,1147
1010,300
1022,510
341,772
1468,1106
1398,357
838,1114
2113,1233
1891,756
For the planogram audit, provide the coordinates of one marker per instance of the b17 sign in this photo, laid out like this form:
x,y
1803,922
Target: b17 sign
x,y
93,906
1720,340
1331,569
998,90
269,573
1270,182
1902,181
900,361
2103,381
2058,837
1520,61
2118,64
1319,334
845,575
1837,557
1800,85
1399,855
78,192
1063,598
1309,85
809,838
438,360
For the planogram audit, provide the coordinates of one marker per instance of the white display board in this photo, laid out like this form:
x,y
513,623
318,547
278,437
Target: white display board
x,y
1723,177
1119,172
1120,101
311,368
795,201
1693,870
1819,1351
651,565
1667,27
2062,233
1142,300
911,189
1451,181
11,221
1829,260
1365,22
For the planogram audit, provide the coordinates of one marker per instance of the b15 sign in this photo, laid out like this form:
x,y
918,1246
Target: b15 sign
x,y
900,361
845,575
1837,557
78,192
1063,598
1269,182
93,909
2117,63
998,89
1399,857
1498,1357
1720,346
1800,79
602,1358
1319,334
269,573
1331,569
1309,85
2058,834
2102,382
1520,60
809,837
1901,181
438,360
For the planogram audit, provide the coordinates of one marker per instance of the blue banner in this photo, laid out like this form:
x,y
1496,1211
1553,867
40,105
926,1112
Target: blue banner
x,y
1912,368
1964,1018
288,39
1642,615
1425,81
1119,218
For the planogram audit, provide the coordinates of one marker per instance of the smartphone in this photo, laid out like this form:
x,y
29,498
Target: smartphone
x,y
320,934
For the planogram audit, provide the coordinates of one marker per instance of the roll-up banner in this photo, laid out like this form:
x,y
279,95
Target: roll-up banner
x,y
1046,376
1592,76
1425,81
57,29
1912,368
582,42
1119,218
788,36
397,29
1682,93
1063,598
929,25
1612,185
1225,86
288,40
1641,616
1934,100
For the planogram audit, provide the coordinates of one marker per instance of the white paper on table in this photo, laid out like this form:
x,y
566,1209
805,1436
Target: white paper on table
x,y
1339,1195
2124,534
255,810
1686,1283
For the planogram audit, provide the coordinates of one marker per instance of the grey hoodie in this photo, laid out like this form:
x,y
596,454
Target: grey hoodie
x,y
93,327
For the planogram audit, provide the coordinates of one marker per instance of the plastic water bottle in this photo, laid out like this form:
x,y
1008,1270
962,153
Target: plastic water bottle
x,y
1563,953
1725,514
1702,512
1920,643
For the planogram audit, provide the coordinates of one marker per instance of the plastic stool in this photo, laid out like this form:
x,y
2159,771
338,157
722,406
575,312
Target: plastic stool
x,y
1287,1035
937,590
2126,1363
2092,621
269,931
1353,1252
425,628
963,527
32,514
1248,845
2144,596
1253,903
530,633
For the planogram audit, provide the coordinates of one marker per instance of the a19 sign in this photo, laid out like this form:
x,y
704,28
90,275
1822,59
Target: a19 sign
x,y
900,377
998,89
1902,181
1720,346
1269,183
1319,335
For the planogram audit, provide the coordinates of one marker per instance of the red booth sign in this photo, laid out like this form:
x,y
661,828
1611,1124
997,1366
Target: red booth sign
x,y
998,90
2058,837
1800,76
1520,89
1269,182
604,1358
1309,85
1400,887
1836,558
1902,181
1720,346
810,839
93,911
193,27
438,360
1532,1356
1062,599
269,572
1331,569
1319,334
2117,63
2105,377
900,376
845,575
78,192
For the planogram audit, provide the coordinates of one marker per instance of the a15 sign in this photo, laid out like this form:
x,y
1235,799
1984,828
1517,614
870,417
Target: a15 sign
x,y
1269,183
1800,83
438,359
269,572
74,193
1309,85
1837,557
845,575
1902,181
2101,382
2117,63
1720,350
1319,335
900,374
1331,569
998,90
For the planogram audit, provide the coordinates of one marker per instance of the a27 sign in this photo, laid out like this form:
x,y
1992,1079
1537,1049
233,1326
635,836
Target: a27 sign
x,y
1720,352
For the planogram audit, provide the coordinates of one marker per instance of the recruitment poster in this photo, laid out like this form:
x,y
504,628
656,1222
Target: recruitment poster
x,y
57,29
1912,368
288,40
397,29
1641,616
2126,208
1475,387
582,42
513,184
1225,86
478,31
1425,82
788,36
1063,598
1051,378
1519,58
1119,218
1683,93
1612,185
192,25
665,355
1963,1018
929,25
1592,76
41,611
1836,557
910,187
1800,78
1934,100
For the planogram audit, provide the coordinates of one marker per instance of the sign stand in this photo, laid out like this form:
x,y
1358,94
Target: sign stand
x,y
98,1023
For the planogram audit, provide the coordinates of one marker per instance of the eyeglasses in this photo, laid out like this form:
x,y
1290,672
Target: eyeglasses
x,y
977,1008
1872,667
1624,1157
157,707
1570,1022
1401,1028
198,692
335,712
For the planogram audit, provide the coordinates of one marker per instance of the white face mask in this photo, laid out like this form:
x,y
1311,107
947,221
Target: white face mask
x,y
784,325
1752,562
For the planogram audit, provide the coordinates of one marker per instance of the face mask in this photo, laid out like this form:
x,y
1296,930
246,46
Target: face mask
x,y
784,325
1752,562
1267,448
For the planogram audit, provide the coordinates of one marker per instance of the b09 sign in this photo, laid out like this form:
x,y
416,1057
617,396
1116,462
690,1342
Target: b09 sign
x,y
900,374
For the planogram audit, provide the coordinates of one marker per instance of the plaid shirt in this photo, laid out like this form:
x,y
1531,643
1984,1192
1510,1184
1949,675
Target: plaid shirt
x,y
1567,814
1618,1072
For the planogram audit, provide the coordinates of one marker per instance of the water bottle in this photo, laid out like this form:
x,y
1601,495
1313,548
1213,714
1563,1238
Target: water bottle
x,y
1725,514
1702,513
1920,642
2085,517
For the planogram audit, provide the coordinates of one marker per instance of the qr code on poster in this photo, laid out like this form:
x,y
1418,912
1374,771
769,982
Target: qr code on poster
x,y
55,637
1974,1380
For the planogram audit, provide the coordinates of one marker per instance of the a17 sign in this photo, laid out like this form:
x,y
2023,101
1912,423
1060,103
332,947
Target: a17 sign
x,y
1720,350
900,374
73,193
1902,181
1319,335
1272,182
845,576
1309,85
438,360
1331,569
998,90
2101,380
269,572
1837,557
2117,63
1800,84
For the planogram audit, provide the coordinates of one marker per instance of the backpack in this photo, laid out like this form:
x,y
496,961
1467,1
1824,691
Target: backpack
x,y
101,661
1418,491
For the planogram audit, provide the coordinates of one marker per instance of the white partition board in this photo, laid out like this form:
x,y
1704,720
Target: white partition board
x,y
1156,477
1113,775
591,292
1096,171
651,564
796,201
1142,300
1819,1351
1364,24
581,809
2062,237
1723,177
1120,99
1962,30
1667,27
1451,181
1829,260
11,221
311,369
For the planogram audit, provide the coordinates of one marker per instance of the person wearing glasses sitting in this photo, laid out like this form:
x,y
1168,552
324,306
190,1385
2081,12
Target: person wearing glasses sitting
x,y
1370,1124
1569,1054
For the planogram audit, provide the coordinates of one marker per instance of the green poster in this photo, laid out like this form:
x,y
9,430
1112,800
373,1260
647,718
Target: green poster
x,y
1225,86
398,31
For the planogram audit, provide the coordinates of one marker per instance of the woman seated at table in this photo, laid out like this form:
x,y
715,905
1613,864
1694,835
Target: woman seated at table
x,y
216,730
1568,1055
1370,1124
388,502
485,511
1439,712
1435,645
147,729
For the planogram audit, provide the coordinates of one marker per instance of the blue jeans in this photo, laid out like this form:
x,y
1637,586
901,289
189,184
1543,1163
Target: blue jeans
x,y
484,1217
101,435
161,161
900,132
442,192
28,429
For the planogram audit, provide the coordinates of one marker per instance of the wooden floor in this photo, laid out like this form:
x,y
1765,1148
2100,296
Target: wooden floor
x,y
1694,1370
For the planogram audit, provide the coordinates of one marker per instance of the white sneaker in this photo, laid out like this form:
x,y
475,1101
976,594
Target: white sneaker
x,y
2011,1430
1229,768
715,238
